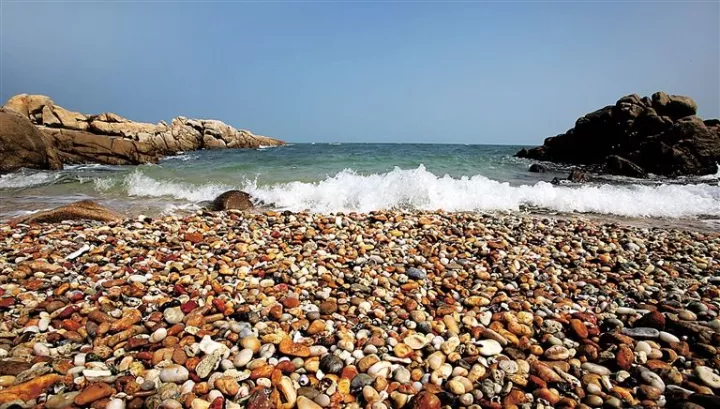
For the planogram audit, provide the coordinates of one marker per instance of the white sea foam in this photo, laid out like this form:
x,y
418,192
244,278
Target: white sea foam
x,y
716,176
182,156
24,180
420,189
138,184
103,184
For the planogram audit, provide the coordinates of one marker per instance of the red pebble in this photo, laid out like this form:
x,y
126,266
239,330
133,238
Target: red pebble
x,y
219,304
7,302
217,403
188,306
76,296
67,312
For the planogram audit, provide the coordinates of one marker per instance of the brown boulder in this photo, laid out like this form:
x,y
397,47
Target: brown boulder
x,y
674,106
28,105
210,142
22,145
578,176
56,116
82,210
129,130
84,147
233,199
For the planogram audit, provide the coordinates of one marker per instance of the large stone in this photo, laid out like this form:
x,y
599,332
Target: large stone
x,y
211,142
75,146
94,392
28,105
636,136
233,199
617,165
128,130
53,115
537,168
674,106
23,146
82,210
30,389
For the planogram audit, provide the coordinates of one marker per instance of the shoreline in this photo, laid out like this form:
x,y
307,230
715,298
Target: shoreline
x,y
696,224
395,309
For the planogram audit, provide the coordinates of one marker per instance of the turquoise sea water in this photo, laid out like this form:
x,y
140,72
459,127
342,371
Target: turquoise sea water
x,y
357,177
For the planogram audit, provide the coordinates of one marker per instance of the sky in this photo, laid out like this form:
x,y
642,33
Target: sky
x,y
406,72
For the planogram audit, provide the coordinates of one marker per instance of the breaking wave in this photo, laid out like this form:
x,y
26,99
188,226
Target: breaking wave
x,y
420,189
22,180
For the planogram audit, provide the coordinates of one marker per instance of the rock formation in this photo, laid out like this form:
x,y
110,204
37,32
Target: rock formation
x,y
659,135
23,145
111,139
81,210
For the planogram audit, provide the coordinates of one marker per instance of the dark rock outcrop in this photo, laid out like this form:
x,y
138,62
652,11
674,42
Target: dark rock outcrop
x,y
111,139
616,165
659,135
578,176
23,145
82,210
233,199
537,168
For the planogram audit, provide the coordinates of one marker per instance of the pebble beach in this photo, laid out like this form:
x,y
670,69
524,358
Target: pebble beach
x,y
380,310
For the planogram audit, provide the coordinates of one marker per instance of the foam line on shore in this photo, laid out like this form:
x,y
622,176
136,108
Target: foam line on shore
x,y
422,190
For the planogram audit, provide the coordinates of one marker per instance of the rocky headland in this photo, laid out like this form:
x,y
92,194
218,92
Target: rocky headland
x,y
660,135
36,133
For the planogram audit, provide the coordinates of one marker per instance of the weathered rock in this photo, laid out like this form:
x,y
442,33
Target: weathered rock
x,y
94,392
578,176
82,210
22,145
425,400
30,389
106,138
76,147
638,136
674,106
233,199
617,165
538,168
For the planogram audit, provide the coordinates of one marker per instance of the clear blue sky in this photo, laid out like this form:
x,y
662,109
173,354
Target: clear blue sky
x,y
463,72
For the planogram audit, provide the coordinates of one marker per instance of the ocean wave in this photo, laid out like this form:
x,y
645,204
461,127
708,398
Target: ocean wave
x,y
182,156
420,189
715,176
103,184
139,184
22,179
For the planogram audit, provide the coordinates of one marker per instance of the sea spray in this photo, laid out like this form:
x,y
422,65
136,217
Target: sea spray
x,y
139,184
423,190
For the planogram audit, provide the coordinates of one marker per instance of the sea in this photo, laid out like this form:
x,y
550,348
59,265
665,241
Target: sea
x,y
350,177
